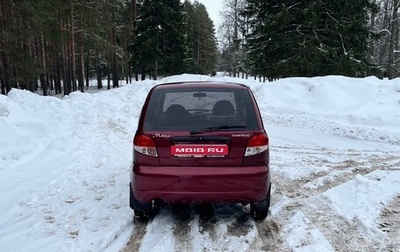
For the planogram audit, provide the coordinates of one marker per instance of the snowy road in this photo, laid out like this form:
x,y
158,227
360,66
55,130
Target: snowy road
x,y
335,164
307,168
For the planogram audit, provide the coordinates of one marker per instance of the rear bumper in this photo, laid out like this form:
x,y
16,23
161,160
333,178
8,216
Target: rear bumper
x,y
200,184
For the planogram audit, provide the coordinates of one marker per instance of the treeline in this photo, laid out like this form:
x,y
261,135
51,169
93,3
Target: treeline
x,y
171,40
274,39
308,38
59,46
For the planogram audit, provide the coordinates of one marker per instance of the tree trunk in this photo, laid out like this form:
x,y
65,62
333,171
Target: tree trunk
x,y
87,65
72,48
155,70
42,63
64,61
80,56
236,40
6,80
143,74
134,15
57,76
114,60
98,71
393,39
109,72
115,73
5,13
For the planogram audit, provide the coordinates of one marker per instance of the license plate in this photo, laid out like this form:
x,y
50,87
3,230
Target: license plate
x,y
199,150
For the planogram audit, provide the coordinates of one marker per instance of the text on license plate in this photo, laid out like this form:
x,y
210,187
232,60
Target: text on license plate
x,y
199,150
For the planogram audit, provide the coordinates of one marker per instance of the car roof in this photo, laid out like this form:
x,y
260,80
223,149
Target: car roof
x,y
201,84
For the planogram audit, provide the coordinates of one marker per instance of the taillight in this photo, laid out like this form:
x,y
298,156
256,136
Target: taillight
x,y
145,145
257,144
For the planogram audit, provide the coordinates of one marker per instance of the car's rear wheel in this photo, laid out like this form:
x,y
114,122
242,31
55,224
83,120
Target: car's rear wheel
x,y
141,209
259,211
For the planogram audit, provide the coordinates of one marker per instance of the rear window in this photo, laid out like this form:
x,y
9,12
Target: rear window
x,y
198,108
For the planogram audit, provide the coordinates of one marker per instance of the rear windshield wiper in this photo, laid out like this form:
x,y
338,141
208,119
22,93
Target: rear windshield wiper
x,y
216,128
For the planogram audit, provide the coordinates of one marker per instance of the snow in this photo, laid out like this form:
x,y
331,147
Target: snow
x,y
369,193
335,144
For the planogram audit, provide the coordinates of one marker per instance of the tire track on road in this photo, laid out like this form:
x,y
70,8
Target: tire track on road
x,y
302,193
389,223
182,215
336,169
135,241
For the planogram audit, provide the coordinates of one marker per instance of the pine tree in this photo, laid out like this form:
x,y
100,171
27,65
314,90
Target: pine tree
x,y
190,61
204,40
159,44
173,43
308,38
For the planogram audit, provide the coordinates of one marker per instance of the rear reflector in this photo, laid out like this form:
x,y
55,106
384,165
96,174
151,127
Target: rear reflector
x,y
257,144
145,145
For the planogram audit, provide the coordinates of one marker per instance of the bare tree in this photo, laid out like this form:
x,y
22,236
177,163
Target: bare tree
x,y
393,46
231,37
385,51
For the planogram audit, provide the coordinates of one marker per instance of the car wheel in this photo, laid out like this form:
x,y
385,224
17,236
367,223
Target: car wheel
x,y
141,209
259,211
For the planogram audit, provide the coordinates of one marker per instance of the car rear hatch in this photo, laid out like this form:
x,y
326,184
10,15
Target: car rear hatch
x,y
201,125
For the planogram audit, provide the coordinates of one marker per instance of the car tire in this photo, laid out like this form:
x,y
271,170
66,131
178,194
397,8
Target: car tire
x,y
259,211
142,210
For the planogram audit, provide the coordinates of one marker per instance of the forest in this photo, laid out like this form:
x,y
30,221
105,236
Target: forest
x,y
57,47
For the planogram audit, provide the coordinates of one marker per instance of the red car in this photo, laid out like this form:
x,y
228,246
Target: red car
x,y
200,142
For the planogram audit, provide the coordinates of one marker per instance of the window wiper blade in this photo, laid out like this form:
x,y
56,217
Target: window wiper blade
x,y
216,128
